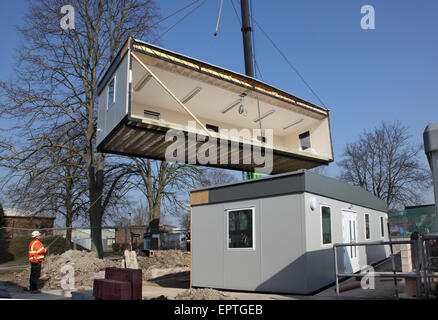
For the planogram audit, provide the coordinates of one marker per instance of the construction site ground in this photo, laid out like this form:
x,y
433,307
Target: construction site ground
x,y
166,275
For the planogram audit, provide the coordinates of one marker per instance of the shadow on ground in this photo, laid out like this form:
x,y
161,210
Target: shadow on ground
x,y
176,280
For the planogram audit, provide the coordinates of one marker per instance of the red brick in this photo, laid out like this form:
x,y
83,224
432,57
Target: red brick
x,y
104,289
134,276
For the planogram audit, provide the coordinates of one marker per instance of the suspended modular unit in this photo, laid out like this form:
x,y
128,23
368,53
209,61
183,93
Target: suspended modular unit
x,y
148,91
276,234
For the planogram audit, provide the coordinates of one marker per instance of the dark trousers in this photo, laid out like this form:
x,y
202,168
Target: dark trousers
x,y
35,273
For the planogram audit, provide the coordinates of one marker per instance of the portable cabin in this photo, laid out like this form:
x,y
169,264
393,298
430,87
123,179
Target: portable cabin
x,y
276,234
148,91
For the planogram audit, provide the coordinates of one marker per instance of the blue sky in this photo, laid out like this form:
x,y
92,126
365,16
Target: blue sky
x,y
363,76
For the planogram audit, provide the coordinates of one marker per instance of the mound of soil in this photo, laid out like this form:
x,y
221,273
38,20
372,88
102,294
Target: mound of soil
x,y
164,263
202,294
88,267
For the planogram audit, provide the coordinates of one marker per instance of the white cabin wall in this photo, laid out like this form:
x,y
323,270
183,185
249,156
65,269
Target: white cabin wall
x,y
180,120
109,118
318,139
314,227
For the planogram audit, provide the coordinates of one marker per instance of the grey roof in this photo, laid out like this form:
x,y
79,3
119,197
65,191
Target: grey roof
x,y
294,182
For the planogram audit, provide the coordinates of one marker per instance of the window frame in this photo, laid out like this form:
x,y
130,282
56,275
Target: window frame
x,y
300,139
382,227
369,226
322,227
108,104
227,216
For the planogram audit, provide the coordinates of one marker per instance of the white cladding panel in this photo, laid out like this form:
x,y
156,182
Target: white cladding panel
x,y
109,115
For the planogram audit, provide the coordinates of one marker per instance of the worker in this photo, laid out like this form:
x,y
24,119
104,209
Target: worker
x,y
36,257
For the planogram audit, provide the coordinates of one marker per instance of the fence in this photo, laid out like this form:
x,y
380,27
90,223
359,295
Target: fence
x,y
424,260
14,242
421,219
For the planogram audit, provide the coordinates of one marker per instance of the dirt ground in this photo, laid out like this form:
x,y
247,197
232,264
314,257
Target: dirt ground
x,y
203,294
87,268
164,268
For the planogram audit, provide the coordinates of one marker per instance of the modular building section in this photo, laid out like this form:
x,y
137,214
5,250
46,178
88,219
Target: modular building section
x,y
148,90
276,234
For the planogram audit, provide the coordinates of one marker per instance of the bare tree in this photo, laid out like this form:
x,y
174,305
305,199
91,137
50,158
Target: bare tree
x,y
165,187
140,215
385,163
209,177
184,220
322,170
51,180
5,255
57,73
214,176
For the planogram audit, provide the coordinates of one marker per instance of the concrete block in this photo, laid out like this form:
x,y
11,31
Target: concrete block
x,y
406,257
411,287
4,293
406,267
131,259
82,295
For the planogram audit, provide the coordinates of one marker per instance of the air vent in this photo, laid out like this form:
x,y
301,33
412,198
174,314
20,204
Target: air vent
x,y
151,114
212,127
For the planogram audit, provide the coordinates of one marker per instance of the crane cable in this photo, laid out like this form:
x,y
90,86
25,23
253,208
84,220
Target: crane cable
x,y
292,66
180,20
286,59
173,13
218,18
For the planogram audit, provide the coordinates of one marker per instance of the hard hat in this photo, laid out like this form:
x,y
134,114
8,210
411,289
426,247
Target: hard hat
x,y
35,234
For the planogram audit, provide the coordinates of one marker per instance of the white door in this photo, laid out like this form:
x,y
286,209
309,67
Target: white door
x,y
349,232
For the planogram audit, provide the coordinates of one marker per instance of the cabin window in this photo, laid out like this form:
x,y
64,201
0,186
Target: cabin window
x,y
240,228
111,93
382,228
304,140
212,127
326,225
151,114
367,226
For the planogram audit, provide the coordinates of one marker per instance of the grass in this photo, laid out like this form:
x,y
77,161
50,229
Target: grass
x,y
111,253
10,271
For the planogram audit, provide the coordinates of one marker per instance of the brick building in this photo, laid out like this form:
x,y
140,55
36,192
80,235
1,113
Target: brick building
x,y
123,233
18,220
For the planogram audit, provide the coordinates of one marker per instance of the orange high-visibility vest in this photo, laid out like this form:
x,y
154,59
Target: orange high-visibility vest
x,y
36,251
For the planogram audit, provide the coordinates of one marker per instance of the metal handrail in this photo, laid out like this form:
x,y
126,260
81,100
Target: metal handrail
x,y
423,266
373,243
